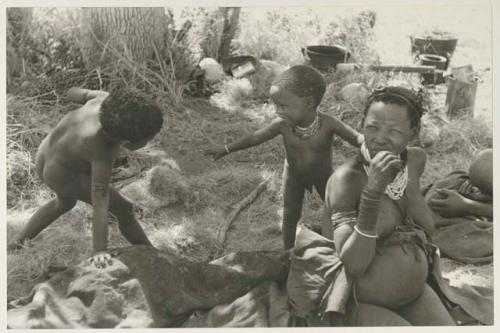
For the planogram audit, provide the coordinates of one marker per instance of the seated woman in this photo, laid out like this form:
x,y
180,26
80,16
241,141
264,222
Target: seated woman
x,y
380,237
381,258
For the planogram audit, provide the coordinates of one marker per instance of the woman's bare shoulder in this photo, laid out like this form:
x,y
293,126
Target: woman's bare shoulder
x,y
345,185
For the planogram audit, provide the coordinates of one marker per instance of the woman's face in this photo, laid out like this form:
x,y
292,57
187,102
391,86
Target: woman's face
x,y
387,127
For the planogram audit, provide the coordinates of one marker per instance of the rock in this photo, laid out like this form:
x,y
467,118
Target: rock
x,y
354,92
213,70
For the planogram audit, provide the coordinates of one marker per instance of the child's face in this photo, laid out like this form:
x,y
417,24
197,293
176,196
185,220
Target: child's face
x,y
290,106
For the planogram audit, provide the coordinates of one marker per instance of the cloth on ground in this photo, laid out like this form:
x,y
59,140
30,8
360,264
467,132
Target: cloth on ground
x,y
146,287
319,289
467,239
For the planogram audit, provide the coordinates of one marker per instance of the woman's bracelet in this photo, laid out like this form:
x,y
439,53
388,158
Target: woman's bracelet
x,y
364,234
227,149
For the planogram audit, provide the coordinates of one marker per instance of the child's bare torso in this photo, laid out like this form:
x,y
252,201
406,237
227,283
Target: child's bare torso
x,y
75,139
309,156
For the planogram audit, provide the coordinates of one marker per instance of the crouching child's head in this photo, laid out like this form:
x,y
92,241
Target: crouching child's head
x,y
297,92
130,118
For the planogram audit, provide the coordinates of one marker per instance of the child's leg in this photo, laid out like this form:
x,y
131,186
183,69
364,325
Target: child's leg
x,y
42,218
320,185
293,194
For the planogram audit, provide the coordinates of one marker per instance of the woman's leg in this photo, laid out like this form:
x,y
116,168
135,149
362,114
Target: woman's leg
x,y
427,310
293,195
364,314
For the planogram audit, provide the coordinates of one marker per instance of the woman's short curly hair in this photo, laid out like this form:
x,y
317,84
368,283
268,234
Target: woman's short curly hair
x,y
413,100
130,116
302,81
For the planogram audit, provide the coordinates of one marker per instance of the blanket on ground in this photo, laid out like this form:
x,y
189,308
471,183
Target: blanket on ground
x,y
467,239
319,288
149,288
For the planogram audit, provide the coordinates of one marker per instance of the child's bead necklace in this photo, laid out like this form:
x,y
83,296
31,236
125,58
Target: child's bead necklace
x,y
309,131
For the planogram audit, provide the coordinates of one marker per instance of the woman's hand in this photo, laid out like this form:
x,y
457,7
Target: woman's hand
x,y
383,168
216,153
450,203
101,259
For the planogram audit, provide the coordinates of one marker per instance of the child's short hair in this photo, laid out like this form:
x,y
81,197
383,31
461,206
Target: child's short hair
x,y
130,116
302,81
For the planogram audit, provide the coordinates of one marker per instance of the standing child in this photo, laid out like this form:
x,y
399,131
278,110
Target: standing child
x,y
75,161
307,136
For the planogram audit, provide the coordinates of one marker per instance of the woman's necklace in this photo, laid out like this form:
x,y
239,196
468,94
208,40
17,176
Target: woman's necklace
x,y
307,132
397,187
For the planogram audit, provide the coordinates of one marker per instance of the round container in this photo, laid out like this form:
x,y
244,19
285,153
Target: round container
x,y
437,61
324,57
433,45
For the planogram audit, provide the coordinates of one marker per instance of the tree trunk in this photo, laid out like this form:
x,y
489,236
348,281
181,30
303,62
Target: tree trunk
x,y
132,31
231,18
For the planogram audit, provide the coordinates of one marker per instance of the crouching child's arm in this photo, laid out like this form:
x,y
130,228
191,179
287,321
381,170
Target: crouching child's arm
x,y
101,175
346,132
81,96
250,140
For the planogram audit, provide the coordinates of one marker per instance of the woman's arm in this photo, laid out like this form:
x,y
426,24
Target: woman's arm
x,y
419,210
343,193
356,243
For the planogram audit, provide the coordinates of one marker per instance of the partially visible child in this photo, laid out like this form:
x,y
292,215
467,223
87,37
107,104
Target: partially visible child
x,y
307,135
75,161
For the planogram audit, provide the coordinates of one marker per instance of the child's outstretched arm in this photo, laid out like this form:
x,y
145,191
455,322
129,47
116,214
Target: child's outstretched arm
x,y
345,131
101,175
81,96
250,140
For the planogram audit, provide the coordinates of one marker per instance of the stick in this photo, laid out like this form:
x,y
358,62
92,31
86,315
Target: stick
x,y
405,69
240,206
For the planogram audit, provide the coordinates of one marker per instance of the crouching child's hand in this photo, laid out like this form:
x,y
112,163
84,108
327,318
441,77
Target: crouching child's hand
x,y
101,259
217,152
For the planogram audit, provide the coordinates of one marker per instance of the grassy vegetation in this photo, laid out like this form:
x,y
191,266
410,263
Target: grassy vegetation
x,y
182,197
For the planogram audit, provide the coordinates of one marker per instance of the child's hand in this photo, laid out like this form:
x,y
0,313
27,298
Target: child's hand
x,y
216,153
101,259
